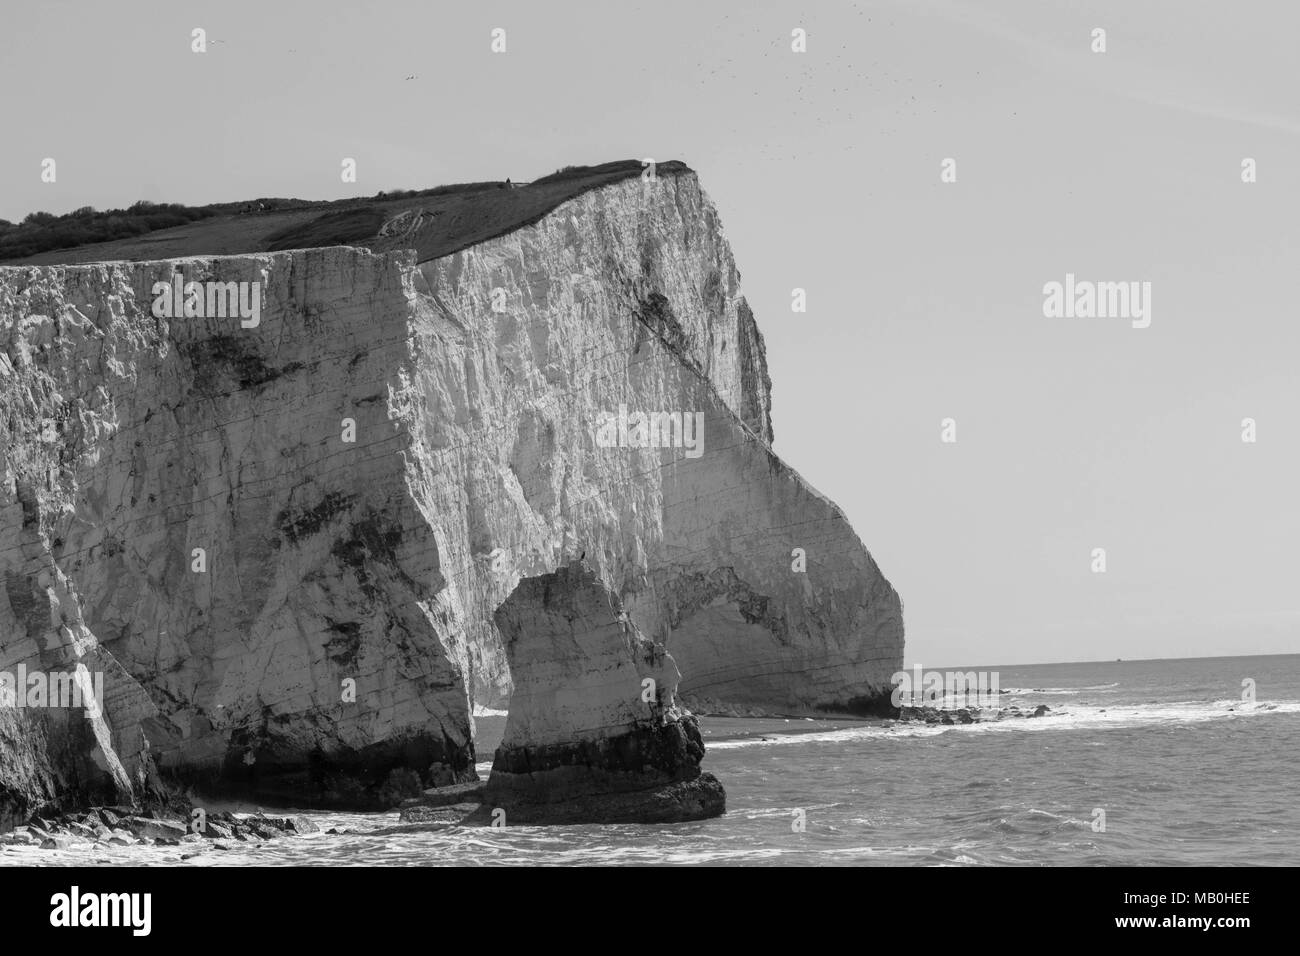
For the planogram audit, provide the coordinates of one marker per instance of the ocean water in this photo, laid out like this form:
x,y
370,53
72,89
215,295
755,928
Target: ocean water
x,y
1185,771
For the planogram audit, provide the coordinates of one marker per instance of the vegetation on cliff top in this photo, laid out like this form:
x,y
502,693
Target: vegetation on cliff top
x,y
441,220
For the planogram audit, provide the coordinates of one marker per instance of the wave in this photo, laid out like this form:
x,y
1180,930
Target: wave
x,y
1039,823
1059,690
1074,717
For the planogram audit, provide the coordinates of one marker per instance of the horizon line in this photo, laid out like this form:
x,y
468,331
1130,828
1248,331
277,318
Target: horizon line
x,y
1119,660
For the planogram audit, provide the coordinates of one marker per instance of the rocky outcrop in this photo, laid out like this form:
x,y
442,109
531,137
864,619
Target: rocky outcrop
x,y
966,715
581,663
285,545
103,828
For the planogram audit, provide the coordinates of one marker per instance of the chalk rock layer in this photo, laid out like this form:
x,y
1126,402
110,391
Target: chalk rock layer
x,y
580,662
284,545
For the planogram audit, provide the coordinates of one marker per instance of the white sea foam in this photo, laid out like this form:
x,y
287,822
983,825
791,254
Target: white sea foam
x,y
1026,691
1072,718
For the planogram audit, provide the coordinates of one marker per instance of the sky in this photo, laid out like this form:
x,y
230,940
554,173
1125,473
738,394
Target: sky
x,y
924,298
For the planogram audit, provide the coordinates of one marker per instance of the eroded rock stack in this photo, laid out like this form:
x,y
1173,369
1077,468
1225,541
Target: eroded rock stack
x,y
579,660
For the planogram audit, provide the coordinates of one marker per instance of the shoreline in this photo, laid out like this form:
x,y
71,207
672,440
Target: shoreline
x,y
722,729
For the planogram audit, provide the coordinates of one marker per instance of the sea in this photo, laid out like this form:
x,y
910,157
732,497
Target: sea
x,y
1135,763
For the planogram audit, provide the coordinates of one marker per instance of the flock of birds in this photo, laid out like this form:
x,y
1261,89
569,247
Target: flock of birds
x,y
833,86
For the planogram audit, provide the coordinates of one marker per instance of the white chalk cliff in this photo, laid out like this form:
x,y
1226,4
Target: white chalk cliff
x,y
342,620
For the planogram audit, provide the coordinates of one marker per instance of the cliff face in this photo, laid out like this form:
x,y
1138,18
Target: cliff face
x,y
285,546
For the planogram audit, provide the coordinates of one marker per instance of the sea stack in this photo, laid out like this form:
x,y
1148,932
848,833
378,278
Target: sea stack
x,y
594,734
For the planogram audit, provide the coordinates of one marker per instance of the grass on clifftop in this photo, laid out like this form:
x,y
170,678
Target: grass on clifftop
x,y
434,222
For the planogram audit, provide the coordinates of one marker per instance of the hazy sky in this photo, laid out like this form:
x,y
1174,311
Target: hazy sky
x,y
925,299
